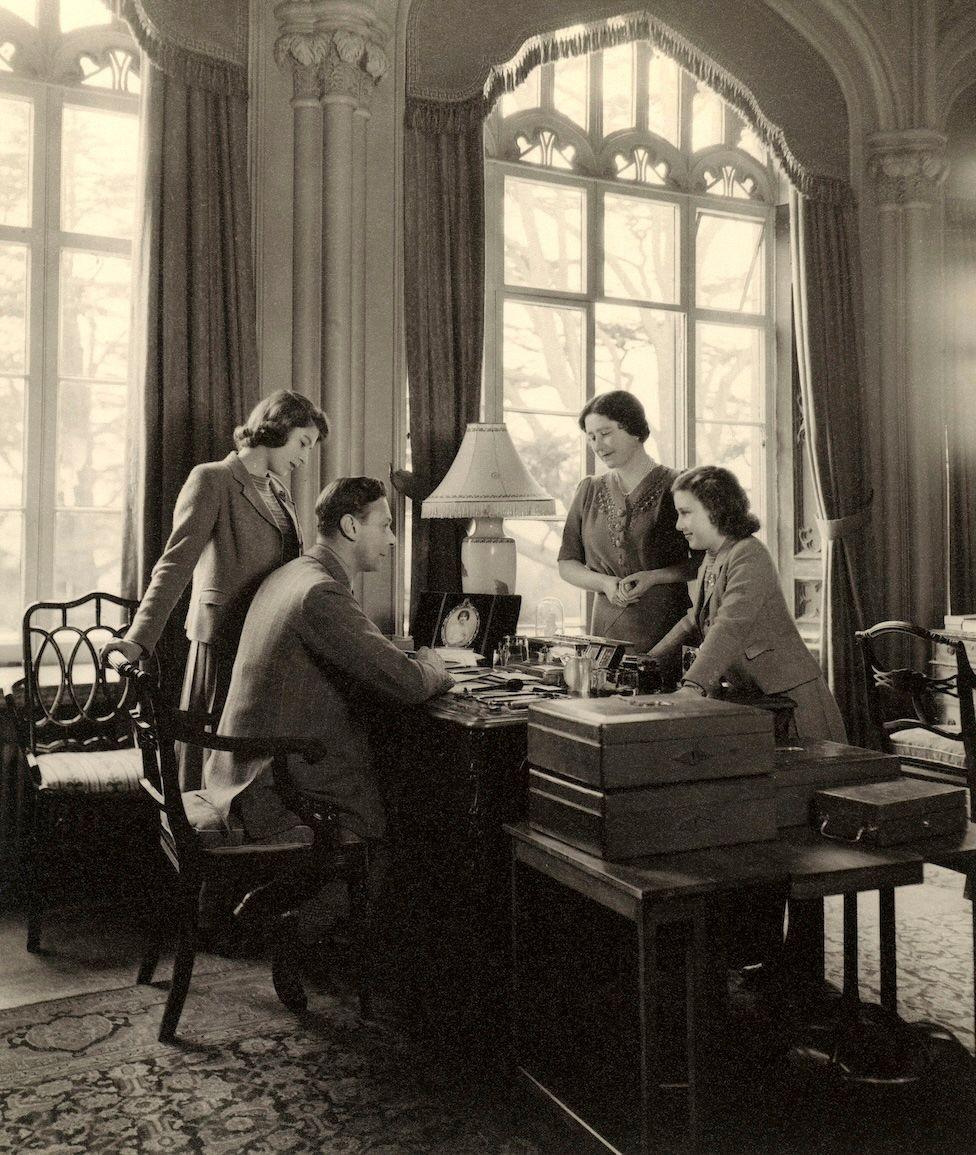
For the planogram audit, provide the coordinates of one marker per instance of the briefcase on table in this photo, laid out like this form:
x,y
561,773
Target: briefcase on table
x,y
800,771
626,777
886,813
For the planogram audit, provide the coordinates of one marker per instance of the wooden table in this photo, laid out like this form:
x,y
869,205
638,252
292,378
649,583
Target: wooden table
x,y
692,888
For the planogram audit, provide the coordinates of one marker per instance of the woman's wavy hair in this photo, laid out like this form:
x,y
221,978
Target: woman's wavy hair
x,y
620,406
724,499
274,417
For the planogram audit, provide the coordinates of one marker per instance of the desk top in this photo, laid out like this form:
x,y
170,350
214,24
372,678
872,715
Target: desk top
x,y
814,866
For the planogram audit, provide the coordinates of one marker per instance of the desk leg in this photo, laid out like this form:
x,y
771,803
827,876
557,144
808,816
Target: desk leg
x,y
647,981
889,957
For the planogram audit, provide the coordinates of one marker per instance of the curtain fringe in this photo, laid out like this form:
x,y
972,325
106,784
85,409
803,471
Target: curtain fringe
x,y
460,116
191,68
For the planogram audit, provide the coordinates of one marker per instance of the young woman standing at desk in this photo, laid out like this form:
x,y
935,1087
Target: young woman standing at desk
x,y
234,522
620,539
740,620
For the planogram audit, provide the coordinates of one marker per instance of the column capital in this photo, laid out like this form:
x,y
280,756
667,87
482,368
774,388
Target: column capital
x,y
907,168
344,41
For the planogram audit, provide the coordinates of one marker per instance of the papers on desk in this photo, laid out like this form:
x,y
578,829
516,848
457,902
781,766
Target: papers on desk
x,y
460,657
493,683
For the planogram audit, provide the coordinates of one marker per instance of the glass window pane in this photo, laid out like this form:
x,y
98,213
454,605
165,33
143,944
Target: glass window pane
x,y
11,578
83,14
730,373
729,263
544,235
739,448
618,88
640,238
14,266
664,98
88,553
25,9
640,350
524,97
538,577
542,357
15,158
571,88
99,151
707,118
553,451
91,444
94,315
12,441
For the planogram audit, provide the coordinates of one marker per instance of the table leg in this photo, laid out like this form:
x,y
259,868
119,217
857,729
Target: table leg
x,y
805,939
850,948
705,975
971,888
889,957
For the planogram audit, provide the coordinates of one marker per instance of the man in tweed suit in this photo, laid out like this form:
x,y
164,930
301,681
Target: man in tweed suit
x,y
311,664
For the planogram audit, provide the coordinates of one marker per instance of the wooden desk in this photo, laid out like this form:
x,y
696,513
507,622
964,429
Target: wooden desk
x,y
690,888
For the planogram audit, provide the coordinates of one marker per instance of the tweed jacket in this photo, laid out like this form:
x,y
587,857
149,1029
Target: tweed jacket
x,y
227,542
311,664
742,626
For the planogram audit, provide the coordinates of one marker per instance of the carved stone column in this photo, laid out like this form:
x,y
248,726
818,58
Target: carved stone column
x,y
907,170
344,42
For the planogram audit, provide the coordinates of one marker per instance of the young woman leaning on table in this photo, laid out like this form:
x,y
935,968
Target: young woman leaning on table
x,y
740,620
234,523
620,539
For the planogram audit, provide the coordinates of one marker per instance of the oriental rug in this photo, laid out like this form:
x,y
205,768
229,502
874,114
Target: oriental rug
x,y
86,1075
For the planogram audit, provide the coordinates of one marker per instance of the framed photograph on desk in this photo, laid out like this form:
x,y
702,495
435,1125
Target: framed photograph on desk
x,y
466,621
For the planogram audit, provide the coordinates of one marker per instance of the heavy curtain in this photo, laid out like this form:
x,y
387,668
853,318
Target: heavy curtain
x,y
961,410
826,306
194,354
444,277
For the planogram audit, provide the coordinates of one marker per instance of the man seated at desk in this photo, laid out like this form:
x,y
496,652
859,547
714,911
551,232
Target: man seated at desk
x,y
312,665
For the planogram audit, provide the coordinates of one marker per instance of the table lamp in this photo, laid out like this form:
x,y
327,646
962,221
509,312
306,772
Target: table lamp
x,y
488,482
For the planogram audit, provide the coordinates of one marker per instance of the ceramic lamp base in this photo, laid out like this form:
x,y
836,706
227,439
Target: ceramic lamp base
x,y
488,558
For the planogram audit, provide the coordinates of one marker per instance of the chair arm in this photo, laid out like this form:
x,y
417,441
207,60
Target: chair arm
x,y
194,733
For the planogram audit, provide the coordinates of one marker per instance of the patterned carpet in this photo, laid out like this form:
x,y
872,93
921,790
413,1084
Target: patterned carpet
x,y
86,1075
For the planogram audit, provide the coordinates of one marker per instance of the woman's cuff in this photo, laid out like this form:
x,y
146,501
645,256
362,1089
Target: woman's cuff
x,y
694,686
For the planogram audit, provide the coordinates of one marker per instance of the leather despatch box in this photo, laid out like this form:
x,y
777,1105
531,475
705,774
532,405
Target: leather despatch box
x,y
886,813
648,740
631,823
800,771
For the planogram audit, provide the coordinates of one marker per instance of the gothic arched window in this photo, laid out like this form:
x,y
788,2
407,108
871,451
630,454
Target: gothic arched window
x,y
69,125
630,245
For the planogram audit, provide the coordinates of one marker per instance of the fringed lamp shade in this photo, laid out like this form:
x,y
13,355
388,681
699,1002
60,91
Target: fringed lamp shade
x,y
488,482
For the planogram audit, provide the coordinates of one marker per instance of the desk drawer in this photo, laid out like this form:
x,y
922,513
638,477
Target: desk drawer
x,y
623,824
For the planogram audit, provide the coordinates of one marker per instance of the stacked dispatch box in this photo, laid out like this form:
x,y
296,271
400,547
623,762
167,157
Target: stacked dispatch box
x,y
626,777
800,771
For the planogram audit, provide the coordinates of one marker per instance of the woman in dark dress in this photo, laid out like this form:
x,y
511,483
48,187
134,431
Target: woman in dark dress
x,y
620,539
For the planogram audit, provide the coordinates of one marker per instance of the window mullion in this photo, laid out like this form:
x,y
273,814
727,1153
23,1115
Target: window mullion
x,y
34,399
687,384
51,308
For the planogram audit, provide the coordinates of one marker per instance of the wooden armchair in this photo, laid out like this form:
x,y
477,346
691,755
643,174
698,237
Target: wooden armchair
x,y
74,731
913,709
201,848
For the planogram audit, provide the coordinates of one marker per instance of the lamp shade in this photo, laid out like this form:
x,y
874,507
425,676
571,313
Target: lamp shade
x,y
488,479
